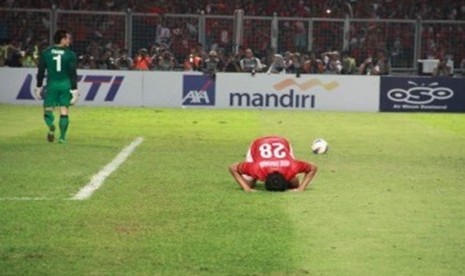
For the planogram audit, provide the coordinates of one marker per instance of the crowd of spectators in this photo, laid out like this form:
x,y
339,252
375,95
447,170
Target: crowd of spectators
x,y
162,44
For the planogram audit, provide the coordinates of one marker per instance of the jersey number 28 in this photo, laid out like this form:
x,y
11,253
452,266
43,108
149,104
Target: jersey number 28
x,y
276,150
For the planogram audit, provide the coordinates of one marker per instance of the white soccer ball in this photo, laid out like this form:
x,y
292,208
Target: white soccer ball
x,y
320,146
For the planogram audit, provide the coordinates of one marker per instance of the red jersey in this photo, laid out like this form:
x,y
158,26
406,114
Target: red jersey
x,y
272,154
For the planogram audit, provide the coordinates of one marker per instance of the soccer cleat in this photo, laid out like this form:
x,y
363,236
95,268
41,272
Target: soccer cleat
x,y
62,141
51,134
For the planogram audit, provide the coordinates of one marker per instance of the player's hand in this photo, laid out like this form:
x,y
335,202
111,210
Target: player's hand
x,y
36,92
74,96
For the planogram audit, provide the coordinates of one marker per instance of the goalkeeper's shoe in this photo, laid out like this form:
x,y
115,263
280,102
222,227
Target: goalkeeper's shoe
x,y
62,141
51,134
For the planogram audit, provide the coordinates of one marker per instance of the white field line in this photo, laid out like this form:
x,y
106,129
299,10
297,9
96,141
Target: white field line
x,y
25,198
98,179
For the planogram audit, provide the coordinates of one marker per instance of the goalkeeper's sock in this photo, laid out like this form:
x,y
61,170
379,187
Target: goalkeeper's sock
x,y
64,122
49,118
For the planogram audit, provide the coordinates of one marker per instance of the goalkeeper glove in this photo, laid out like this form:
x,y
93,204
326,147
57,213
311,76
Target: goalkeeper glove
x,y
37,91
74,96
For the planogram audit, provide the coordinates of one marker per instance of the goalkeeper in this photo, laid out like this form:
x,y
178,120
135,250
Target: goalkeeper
x,y
60,64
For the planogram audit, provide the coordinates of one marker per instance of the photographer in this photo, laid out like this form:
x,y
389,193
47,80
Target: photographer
x,y
106,62
211,64
277,66
29,60
348,64
166,61
231,63
376,66
442,70
142,61
332,62
250,63
124,62
86,61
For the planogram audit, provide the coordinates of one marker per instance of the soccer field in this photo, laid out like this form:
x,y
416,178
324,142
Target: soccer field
x,y
388,198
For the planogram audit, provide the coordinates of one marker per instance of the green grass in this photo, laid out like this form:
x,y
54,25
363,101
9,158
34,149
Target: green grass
x,y
388,199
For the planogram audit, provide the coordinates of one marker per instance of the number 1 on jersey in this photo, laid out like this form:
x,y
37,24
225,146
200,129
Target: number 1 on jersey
x,y
57,58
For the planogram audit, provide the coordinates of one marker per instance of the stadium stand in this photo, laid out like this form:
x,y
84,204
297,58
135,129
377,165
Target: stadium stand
x,y
405,9
169,30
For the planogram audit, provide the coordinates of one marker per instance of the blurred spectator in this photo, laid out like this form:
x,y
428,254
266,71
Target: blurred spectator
x,y
165,61
268,58
300,37
231,63
163,35
462,63
312,65
289,67
367,66
297,61
222,58
293,63
94,49
331,62
250,63
124,61
2,55
277,66
106,62
142,61
382,64
13,54
86,61
379,65
29,60
211,64
348,64
240,53
193,61
155,52
442,69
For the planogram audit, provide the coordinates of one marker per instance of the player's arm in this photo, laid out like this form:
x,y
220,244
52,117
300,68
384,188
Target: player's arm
x,y
310,170
40,77
73,79
73,72
41,71
246,185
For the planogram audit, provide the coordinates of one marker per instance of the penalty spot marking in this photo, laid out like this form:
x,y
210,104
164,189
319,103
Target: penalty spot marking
x,y
98,179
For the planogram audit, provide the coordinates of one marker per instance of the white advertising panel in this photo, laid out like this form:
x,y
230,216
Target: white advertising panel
x,y
163,89
191,89
96,87
311,92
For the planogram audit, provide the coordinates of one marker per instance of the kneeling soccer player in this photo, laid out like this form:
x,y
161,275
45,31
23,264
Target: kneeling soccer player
x,y
271,159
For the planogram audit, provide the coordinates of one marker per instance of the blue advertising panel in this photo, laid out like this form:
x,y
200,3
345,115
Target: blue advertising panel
x,y
198,90
422,94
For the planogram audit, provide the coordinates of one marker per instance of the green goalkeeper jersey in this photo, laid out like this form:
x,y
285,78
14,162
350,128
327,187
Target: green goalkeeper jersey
x,y
60,64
